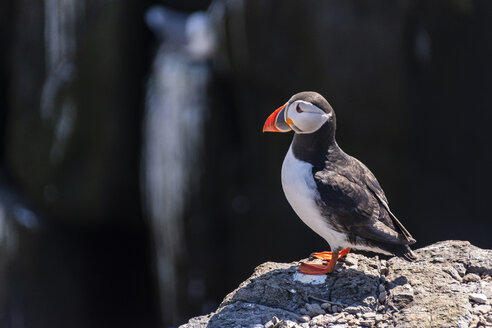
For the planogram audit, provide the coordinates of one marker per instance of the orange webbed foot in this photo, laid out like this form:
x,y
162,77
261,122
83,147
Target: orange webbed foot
x,y
313,269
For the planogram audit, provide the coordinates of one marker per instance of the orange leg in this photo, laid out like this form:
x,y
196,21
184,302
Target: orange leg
x,y
326,256
318,269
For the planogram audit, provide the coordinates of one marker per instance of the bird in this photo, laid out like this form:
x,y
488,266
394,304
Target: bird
x,y
333,193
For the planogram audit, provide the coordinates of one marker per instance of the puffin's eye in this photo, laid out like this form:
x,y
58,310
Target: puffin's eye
x,y
298,109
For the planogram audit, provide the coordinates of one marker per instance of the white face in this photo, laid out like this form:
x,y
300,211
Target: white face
x,y
304,117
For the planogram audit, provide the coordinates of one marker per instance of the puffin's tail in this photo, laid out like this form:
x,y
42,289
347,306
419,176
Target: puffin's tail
x,y
402,251
409,255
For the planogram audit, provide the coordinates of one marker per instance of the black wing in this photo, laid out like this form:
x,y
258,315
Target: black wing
x,y
372,183
355,207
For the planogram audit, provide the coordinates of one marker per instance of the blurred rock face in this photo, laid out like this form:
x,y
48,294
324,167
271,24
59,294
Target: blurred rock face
x,y
74,243
73,132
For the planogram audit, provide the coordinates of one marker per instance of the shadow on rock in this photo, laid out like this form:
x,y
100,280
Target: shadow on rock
x,y
273,290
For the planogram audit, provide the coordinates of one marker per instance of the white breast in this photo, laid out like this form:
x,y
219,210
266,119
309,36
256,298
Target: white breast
x,y
300,190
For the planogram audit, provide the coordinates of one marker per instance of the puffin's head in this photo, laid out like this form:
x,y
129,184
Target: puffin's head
x,y
306,112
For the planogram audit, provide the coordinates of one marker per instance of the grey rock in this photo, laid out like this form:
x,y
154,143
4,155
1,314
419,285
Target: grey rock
x,y
350,261
336,308
288,324
322,320
471,277
356,309
477,297
338,316
382,296
425,293
303,311
369,315
352,309
483,322
453,272
484,308
314,309
341,320
304,318
201,321
366,323
402,295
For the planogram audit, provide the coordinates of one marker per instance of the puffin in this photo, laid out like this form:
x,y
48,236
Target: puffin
x,y
333,193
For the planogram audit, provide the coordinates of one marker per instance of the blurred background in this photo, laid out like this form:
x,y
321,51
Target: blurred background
x,y
136,187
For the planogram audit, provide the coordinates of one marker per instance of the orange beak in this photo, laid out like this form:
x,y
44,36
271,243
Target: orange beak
x,y
276,121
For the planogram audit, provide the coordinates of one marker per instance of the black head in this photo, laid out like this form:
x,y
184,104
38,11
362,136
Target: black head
x,y
305,113
312,119
314,98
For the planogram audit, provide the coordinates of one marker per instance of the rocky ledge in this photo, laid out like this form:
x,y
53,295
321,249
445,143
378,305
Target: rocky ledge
x,y
450,285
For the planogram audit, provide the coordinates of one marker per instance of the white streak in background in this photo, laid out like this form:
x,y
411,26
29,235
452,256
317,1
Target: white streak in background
x,y
63,130
8,235
200,36
173,131
25,217
60,45
59,32
167,24
8,248
60,37
192,34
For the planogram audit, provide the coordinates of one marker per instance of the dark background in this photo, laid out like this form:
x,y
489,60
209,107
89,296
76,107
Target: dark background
x,y
136,187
